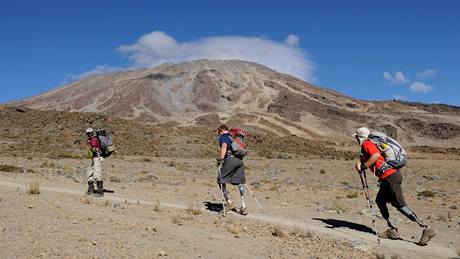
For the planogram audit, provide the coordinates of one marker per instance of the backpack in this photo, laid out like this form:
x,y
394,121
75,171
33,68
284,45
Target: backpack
x,y
238,145
107,147
393,152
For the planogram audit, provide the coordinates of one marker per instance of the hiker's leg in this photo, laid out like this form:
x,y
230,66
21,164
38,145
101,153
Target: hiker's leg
x,y
406,211
382,200
97,168
98,175
397,198
90,172
225,192
239,176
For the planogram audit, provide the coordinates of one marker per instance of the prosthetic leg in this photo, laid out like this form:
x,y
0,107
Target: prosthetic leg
x,y
243,204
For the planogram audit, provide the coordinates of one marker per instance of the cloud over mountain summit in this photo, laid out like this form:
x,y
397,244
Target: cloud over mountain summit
x,y
158,47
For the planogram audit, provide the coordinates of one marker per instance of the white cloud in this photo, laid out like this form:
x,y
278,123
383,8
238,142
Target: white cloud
x,y
158,47
100,69
419,87
400,97
292,40
398,79
427,74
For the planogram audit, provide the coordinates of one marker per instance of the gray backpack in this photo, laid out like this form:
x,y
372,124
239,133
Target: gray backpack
x,y
107,147
393,152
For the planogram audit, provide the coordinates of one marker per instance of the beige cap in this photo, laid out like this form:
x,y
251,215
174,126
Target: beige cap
x,y
362,133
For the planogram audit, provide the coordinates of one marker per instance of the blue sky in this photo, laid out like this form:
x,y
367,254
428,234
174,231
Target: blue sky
x,y
366,49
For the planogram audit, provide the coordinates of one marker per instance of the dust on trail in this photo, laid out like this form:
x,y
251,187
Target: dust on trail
x,y
359,239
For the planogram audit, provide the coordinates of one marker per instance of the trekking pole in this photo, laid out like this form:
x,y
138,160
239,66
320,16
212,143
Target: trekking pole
x,y
362,176
221,188
252,195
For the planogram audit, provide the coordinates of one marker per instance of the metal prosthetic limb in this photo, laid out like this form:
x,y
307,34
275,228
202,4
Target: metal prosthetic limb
x,y
241,189
406,211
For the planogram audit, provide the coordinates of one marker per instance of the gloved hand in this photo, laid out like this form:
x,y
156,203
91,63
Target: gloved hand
x,y
219,162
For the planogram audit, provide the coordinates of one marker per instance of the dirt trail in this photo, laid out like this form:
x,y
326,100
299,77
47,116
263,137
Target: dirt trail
x,y
359,239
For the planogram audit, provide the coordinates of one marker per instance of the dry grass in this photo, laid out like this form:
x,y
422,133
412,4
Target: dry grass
x,y
157,206
298,232
426,193
33,188
277,231
232,228
274,188
177,220
10,168
352,195
339,208
193,211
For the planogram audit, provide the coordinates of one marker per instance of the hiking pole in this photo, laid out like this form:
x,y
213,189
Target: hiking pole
x,y
252,195
221,188
362,176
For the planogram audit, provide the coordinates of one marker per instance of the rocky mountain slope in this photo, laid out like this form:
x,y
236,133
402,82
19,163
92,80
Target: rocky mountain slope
x,y
206,92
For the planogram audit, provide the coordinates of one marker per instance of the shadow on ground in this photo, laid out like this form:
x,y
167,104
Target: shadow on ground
x,y
336,223
215,207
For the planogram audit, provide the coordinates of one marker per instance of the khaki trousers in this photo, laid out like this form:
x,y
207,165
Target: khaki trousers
x,y
95,170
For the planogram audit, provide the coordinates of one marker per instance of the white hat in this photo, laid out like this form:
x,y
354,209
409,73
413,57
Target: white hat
x,y
89,130
362,133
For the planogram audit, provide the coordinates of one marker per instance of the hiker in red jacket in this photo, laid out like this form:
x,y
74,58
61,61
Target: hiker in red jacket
x,y
390,186
95,170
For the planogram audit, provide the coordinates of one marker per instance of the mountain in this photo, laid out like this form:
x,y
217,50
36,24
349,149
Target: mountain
x,y
209,92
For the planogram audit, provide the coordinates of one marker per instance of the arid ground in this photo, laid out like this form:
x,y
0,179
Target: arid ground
x,y
167,207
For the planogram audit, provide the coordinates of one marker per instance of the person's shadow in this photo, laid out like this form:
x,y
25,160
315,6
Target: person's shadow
x,y
336,223
211,206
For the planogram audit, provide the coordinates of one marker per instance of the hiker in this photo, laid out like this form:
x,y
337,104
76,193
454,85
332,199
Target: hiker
x,y
95,170
231,170
390,186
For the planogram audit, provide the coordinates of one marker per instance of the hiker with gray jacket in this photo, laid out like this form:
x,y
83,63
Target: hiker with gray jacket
x,y
231,169
390,186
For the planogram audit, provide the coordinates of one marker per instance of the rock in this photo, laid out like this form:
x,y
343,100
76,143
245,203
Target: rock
x,y
115,179
162,253
31,206
256,184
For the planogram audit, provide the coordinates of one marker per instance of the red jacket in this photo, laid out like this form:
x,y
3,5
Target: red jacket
x,y
368,148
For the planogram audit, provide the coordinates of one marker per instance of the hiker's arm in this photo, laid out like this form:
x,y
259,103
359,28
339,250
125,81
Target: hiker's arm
x,y
371,161
366,164
223,150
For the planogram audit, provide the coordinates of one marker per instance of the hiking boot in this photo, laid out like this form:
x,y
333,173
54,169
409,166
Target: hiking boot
x,y
229,206
427,234
243,211
390,233
100,189
90,188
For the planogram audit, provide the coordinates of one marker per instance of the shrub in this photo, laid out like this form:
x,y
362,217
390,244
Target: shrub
x,y
352,195
339,208
426,193
234,229
33,188
193,211
177,220
157,206
10,168
278,232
